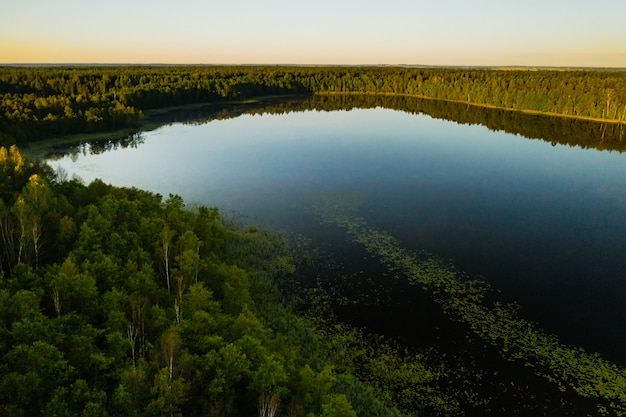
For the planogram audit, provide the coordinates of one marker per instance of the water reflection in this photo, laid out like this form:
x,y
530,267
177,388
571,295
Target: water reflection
x,y
95,147
555,130
544,223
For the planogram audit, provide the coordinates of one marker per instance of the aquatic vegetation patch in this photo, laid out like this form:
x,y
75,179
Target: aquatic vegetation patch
x,y
469,300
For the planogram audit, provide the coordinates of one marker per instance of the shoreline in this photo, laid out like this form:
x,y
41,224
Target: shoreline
x,y
40,149
487,106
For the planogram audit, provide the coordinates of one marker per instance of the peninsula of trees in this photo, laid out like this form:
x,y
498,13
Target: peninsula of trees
x,y
116,302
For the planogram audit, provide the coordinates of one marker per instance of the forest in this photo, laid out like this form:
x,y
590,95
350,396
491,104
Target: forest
x,y
116,302
121,302
44,102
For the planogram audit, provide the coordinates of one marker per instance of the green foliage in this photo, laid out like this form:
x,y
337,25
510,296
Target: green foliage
x,y
337,405
36,103
92,329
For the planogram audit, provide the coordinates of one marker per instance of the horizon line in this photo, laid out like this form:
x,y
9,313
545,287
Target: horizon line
x,y
163,64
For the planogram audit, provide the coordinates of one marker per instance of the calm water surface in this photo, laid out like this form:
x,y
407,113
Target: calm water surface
x,y
545,224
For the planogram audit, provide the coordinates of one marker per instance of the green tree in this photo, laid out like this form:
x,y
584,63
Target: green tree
x,y
268,381
236,289
222,370
169,388
337,405
170,395
28,376
313,387
30,208
165,246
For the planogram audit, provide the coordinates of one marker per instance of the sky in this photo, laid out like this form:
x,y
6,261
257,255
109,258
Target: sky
x,y
587,33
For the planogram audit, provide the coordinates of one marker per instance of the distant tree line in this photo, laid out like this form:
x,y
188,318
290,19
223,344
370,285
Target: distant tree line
x,y
37,103
586,134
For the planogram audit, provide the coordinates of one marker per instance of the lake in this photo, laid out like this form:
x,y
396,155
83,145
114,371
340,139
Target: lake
x,y
542,219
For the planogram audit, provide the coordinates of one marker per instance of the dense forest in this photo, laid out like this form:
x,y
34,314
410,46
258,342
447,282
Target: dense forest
x,y
43,102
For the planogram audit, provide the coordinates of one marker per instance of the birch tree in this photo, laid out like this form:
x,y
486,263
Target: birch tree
x,y
29,209
165,248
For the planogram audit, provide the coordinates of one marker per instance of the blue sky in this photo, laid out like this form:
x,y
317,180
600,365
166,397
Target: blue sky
x,y
444,32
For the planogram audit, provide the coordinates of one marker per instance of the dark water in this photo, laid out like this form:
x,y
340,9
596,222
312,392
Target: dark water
x,y
544,222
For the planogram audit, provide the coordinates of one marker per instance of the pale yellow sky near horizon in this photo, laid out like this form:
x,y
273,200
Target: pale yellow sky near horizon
x,y
447,32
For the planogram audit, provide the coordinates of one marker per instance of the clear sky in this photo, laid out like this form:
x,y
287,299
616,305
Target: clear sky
x,y
437,32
